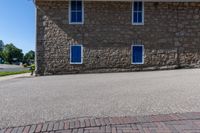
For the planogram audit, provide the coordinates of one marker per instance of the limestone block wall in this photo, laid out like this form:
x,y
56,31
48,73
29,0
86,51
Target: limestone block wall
x,y
170,35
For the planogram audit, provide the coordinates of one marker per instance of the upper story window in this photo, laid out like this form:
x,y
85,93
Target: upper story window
x,y
138,13
76,12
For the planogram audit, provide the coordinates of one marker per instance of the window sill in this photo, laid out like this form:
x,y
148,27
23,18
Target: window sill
x,y
71,63
76,23
138,24
137,63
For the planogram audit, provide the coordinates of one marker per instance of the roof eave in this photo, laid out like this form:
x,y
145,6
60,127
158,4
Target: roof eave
x,y
132,0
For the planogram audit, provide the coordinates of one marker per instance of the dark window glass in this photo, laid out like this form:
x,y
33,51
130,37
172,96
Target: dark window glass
x,y
139,6
79,17
79,5
140,17
138,12
135,6
73,17
76,11
73,5
135,17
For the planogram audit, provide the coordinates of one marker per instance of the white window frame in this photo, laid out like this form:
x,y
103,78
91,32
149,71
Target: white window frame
x,y
81,54
139,63
133,23
70,22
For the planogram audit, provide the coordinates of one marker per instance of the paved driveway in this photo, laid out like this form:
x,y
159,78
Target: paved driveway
x,y
32,100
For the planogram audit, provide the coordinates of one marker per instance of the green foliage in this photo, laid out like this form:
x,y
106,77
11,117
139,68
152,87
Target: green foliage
x,y
33,67
1,45
1,51
29,57
12,54
1,54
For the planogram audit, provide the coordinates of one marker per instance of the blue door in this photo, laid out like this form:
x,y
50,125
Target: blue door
x,y
137,54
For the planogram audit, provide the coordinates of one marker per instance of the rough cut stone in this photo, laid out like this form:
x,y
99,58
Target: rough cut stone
x,y
170,35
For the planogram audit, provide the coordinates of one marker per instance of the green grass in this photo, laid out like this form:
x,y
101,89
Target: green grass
x,y
12,73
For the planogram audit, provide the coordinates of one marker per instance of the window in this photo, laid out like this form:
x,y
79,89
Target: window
x,y
138,13
76,12
76,54
137,54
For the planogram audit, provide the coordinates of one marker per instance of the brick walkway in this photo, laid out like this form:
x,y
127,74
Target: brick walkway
x,y
170,123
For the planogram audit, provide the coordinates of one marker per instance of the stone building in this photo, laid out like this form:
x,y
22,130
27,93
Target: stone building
x,y
111,36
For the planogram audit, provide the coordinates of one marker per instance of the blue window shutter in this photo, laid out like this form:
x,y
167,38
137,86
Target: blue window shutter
x,y
137,54
76,54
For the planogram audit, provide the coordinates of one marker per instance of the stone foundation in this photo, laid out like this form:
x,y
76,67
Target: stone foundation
x,y
119,60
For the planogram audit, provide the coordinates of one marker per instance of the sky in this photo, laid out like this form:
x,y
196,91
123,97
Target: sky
x,y
17,23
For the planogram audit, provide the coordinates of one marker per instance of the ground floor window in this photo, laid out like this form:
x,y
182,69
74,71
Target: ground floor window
x,y
76,54
137,54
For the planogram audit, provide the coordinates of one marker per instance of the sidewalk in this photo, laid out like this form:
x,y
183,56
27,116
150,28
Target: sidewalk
x,y
15,76
170,123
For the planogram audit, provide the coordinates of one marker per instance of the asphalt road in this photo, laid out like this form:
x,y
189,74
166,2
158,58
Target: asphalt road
x,y
11,68
38,99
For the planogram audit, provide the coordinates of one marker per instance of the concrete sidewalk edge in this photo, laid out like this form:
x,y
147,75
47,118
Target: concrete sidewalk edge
x,y
3,78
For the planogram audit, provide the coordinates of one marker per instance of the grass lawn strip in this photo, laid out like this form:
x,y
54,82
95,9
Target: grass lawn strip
x,y
13,73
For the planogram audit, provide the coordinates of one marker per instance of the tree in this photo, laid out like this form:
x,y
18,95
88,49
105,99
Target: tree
x,y
1,57
1,45
12,53
1,51
29,57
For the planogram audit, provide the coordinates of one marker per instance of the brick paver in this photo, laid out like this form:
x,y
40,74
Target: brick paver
x,y
168,123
